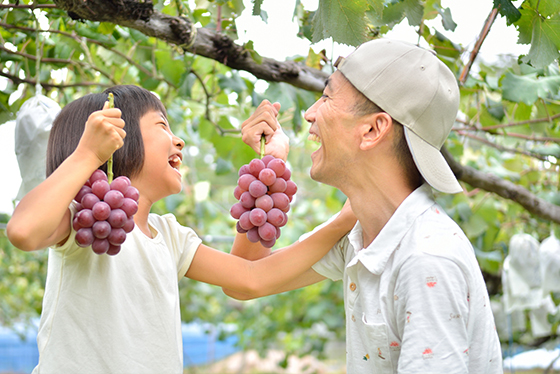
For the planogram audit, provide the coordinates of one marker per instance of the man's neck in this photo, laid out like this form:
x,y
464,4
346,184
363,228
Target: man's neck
x,y
375,205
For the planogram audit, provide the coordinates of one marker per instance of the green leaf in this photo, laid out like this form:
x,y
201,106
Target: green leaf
x,y
446,19
529,88
343,20
169,67
545,42
508,10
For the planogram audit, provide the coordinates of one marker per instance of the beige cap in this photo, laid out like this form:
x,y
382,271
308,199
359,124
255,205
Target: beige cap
x,y
415,88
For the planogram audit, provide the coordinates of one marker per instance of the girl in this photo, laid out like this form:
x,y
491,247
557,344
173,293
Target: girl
x,y
120,314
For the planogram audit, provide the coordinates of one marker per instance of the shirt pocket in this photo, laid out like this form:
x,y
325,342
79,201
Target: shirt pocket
x,y
376,339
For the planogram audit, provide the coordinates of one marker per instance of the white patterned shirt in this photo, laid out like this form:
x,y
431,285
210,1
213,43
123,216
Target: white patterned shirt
x,y
415,298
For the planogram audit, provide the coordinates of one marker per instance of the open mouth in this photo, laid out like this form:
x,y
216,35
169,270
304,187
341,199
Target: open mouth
x,y
175,161
314,138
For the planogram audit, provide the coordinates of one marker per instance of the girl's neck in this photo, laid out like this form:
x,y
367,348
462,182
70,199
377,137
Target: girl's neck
x,y
141,217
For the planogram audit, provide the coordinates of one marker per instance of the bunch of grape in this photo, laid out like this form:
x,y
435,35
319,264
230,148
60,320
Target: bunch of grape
x,y
264,191
104,213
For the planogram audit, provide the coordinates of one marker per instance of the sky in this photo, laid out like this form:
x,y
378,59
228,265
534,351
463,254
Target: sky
x,y
277,39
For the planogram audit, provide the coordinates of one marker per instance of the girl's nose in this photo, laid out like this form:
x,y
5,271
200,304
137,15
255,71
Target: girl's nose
x,y
180,143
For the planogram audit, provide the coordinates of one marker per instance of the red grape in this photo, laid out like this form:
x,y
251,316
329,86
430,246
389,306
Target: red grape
x,y
257,217
267,176
85,218
104,213
281,200
267,231
247,200
257,188
114,198
117,218
84,237
129,206
132,193
278,165
101,229
89,200
264,202
100,246
255,167
264,191
245,180
237,210
116,237
101,211
245,221
278,186
100,188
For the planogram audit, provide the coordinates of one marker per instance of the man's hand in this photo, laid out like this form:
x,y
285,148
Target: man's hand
x,y
263,122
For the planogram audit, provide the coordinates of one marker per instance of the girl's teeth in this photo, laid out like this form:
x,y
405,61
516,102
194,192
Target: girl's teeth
x,y
314,138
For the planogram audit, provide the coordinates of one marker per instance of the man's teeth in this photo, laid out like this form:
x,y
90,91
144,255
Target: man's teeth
x,y
314,138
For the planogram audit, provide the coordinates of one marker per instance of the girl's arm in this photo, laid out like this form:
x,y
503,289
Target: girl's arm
x,y
42,218
288,268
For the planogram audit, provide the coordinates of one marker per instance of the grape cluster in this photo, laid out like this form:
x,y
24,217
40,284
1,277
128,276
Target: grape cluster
x,y
104,213
264,190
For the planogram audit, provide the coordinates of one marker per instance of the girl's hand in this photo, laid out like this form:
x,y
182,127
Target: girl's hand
x,y
103,134
263,121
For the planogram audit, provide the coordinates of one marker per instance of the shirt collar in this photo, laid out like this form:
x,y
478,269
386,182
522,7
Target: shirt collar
x,y
376,255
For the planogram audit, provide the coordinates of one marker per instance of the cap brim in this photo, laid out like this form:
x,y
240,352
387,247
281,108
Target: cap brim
x,y
432,164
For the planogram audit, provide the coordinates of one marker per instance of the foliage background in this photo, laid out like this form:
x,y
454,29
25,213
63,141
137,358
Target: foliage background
x,y
507,128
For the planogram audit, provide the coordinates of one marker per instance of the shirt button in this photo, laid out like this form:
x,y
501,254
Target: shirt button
x,y
352,286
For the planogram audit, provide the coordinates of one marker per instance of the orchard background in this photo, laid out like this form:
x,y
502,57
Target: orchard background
x,y
504,147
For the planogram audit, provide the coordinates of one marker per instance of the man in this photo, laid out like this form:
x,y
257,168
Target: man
x,y
414,295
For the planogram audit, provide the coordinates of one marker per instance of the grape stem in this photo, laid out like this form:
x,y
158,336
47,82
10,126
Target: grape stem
x,y
262,145
111,100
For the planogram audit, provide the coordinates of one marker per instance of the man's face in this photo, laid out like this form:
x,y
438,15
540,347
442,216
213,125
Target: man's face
x,y
332,124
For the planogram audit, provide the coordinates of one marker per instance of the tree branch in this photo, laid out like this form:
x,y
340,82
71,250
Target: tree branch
x,y
49,86
506,189
485,30
204,42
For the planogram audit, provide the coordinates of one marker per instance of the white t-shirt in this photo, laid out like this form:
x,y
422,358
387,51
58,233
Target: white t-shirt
x,y
117,314
415,298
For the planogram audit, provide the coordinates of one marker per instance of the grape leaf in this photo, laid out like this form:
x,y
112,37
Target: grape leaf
x,y
508,10
446,19
529,88
546,8
343,20
545,42
525,26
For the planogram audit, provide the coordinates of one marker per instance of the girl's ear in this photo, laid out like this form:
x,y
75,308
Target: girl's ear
x,y
375,129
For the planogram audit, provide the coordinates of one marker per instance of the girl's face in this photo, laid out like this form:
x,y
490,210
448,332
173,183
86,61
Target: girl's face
x,y
160,176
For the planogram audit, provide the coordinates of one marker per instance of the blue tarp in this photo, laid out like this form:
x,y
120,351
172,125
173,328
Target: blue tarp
x,y
19,353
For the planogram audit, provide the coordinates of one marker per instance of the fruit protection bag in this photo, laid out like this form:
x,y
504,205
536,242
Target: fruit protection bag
x,y
33,125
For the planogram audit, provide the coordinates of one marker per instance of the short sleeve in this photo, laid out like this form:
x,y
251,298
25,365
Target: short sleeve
x,y
332,264
183,243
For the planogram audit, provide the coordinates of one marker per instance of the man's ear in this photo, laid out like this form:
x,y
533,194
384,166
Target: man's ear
x,y
375,129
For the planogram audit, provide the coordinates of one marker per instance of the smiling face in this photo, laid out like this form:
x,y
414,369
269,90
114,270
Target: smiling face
x,y
160,176
333,126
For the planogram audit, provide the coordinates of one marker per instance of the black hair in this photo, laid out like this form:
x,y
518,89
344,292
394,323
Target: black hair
x,y
68,127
